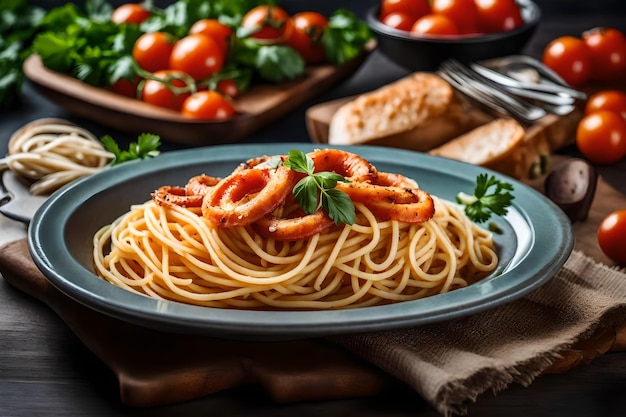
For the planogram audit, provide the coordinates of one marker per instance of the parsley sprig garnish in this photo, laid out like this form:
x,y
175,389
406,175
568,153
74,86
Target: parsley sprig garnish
x,y
317,190
491,196
147,146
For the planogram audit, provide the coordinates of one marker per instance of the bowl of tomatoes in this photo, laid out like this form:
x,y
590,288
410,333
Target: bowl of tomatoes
x,y
420,34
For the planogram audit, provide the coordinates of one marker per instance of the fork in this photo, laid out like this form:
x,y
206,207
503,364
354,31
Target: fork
x,y
483,91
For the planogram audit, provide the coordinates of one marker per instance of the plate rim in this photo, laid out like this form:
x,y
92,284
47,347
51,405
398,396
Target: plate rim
x,y
271,325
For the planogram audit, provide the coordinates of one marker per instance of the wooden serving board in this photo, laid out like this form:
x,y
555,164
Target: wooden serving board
x,y
556,130
256,108
553,131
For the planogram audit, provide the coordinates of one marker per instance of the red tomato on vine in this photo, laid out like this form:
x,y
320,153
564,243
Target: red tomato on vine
x,y
414,9
569,57
612,236
498,15
607,52
306,37
268,24
601,137
130,13
152,50
463,12
214,29
209,105
197,55
169,89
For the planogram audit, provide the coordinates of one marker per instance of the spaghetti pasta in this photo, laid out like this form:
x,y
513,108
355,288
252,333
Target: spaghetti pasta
x,y
54,152
171,251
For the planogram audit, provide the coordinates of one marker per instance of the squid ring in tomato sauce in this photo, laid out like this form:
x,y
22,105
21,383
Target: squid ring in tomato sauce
x,y
247,195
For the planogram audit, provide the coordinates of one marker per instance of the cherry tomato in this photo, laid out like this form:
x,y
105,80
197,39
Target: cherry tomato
x,y
228,87
498,15
152,50
198,55
130,13
607,51
612,236
611,100
398,21
434,24
215,29
208,105
569,57
126,87
269,24
412,8
306,37
601,137
160,93
463,12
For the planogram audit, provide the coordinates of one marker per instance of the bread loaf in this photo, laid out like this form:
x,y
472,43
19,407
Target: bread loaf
x,y
485,145
502,145
417,112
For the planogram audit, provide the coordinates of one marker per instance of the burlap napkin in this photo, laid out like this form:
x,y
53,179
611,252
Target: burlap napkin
x,y
450,364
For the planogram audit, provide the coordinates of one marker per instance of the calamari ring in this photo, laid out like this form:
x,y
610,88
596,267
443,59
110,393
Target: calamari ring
x,y
247,195
392,196
394,180
293,228
411,212
170,196
201,184
347,164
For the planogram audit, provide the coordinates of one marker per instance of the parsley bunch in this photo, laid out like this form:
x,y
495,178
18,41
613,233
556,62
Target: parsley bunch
x,y
317,190
147,146
491,196
19,22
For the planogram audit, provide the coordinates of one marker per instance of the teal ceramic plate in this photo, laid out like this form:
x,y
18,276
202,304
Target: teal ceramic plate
x,y
536,242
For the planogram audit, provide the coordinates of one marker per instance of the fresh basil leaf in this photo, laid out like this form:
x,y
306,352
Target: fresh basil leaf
x,y
278,63
338,206
306,193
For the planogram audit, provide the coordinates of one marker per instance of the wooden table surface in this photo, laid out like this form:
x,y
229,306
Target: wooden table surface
x,y
46,371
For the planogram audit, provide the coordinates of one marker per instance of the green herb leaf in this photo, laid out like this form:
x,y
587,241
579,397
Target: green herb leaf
x,y
339,206
491,196
298,161
345,36
278,63
306,192
317,190
19,22
147,146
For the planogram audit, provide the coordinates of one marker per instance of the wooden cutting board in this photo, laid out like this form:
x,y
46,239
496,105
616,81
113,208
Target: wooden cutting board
x,y
256,108
556,130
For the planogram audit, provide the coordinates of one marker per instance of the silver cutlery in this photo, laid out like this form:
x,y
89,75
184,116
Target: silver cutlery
x,y
503,95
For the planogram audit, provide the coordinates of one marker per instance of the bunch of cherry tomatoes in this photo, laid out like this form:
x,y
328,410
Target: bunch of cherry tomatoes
x,y
451,17
171,65
601,138
599,54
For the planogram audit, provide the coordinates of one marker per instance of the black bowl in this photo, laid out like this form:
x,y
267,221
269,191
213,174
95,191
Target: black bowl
x,y
427,53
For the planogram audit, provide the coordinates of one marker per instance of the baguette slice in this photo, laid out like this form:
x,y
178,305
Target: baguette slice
x,y
390,110
486,145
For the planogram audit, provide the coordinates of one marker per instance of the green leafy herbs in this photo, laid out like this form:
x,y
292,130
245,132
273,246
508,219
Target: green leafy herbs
x,y
147,146
345,37
18,26
86,43
317,190
491,196
273,63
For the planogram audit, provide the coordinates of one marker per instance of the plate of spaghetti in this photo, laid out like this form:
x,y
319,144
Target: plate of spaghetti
x,y
285,241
